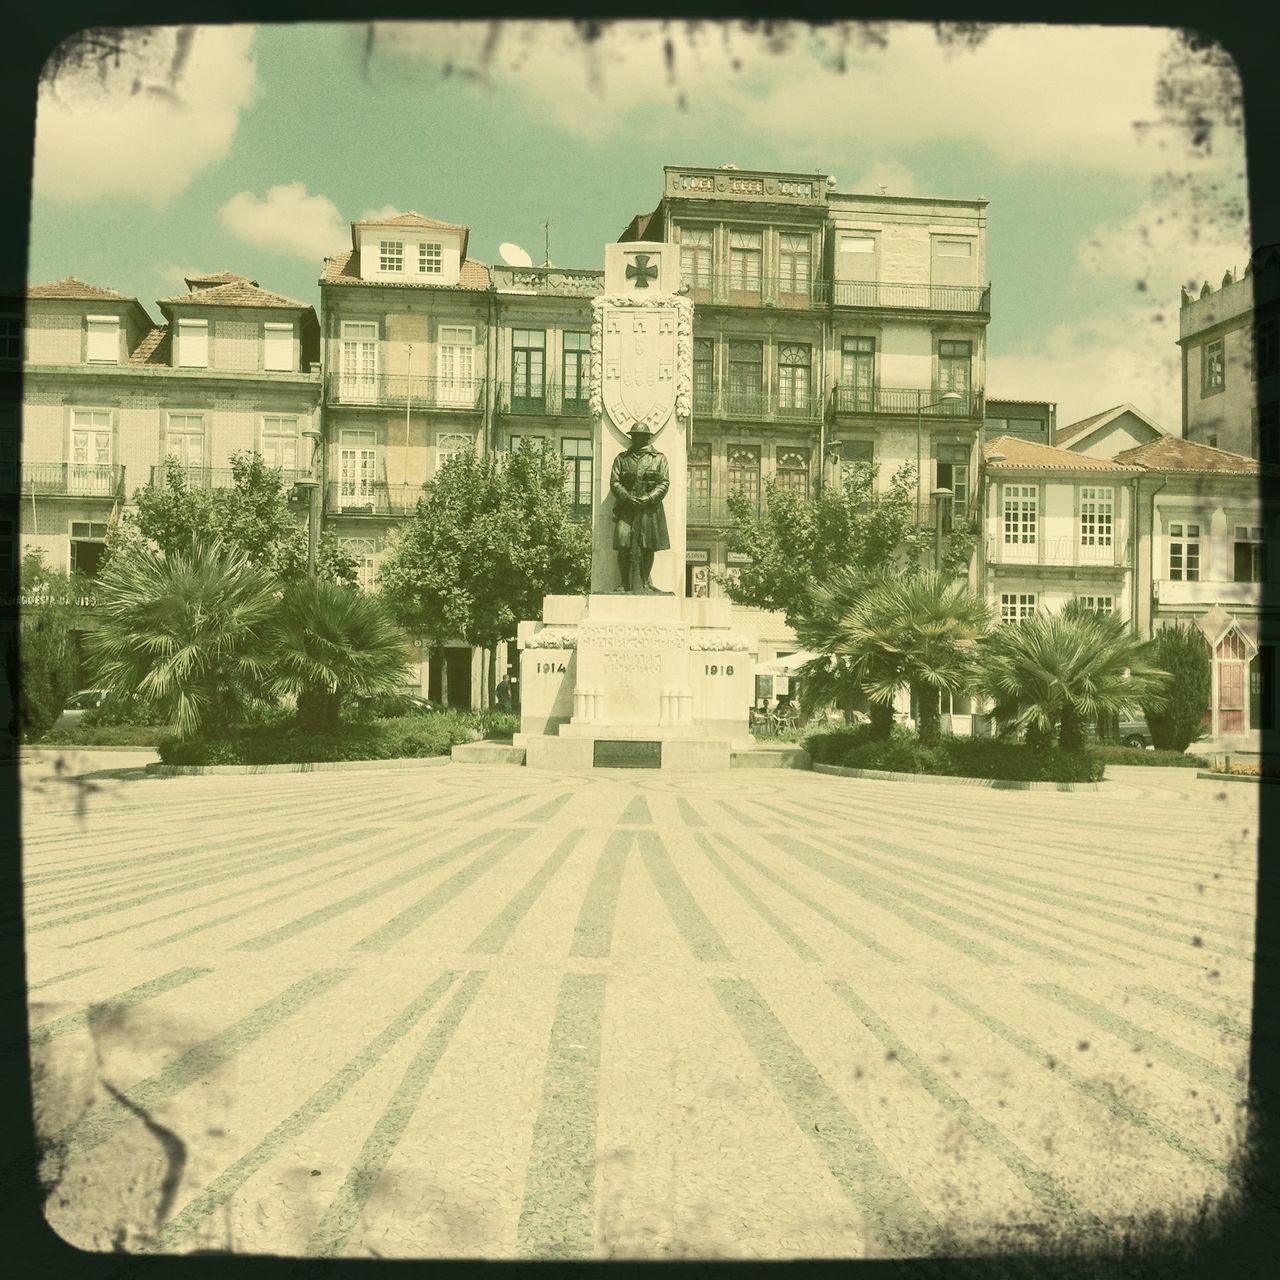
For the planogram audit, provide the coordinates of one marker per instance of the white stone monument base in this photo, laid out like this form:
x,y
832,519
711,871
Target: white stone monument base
x,y
635,669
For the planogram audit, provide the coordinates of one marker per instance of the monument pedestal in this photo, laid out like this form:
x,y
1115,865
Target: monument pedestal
x,y
634,681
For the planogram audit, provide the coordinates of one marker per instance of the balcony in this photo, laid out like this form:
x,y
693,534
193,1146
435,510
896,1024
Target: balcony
x,y
399,390
377,498
783,293
1170,594
756,404
904,401
548,399
68,479
1061,552
714,511
975,299
217,477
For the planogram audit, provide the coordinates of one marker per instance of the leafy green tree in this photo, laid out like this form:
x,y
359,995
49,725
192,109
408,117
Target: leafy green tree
x,y
916,630
1053,674
187,631
253,517
40,657
797,544
331,643
1184,653
491,537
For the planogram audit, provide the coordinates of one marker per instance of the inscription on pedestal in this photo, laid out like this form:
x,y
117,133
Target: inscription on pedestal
x,y
632,754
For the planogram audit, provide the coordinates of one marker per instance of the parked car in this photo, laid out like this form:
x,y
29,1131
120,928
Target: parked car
x,y
76,705
1134,732
397,704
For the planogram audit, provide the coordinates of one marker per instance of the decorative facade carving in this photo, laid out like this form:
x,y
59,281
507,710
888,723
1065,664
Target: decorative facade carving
x,y
684,345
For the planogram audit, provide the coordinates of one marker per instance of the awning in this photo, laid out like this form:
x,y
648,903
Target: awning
x,y
785,666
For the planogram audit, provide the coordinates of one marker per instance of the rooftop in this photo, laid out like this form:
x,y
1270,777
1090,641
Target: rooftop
x,y
1171,453
1076,430
240,292
412,219
343,268
1027,456
76,290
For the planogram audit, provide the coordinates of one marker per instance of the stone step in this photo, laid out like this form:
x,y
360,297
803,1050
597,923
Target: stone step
x,y
771,757
487,753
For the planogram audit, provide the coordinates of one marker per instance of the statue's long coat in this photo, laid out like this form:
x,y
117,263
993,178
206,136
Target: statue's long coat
x,y
639,475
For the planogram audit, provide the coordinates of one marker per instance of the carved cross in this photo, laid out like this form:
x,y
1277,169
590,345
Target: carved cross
x,y
642,272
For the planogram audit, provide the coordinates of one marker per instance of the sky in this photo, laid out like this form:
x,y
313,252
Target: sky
x,y
253,148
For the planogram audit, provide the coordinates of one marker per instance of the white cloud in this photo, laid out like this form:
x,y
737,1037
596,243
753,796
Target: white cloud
x,y
149,125
386,211
1080,96
287,220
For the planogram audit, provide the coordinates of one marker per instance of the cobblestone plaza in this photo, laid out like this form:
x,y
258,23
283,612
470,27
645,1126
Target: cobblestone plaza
x,y
476,1012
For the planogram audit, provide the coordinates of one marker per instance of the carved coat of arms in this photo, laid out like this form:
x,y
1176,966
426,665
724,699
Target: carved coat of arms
x,y
638,352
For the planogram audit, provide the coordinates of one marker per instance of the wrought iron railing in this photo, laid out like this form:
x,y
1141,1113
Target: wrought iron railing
x,y
755,403
786,292
216,477
70,479
376,498
907,401
926,297
547,398
401,389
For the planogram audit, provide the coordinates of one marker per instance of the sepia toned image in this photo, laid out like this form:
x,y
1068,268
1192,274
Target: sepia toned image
x,y
642,640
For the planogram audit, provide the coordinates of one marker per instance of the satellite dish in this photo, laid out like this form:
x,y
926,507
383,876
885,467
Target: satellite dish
x,y
513,255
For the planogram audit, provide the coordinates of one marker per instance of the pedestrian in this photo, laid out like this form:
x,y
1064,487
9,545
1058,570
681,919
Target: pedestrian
x,y
504,693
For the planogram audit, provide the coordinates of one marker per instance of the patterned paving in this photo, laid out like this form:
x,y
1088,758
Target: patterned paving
x,y
483,1012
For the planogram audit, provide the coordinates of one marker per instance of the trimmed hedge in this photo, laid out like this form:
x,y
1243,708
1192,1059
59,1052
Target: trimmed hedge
x,y
404,737
110,735
1140,756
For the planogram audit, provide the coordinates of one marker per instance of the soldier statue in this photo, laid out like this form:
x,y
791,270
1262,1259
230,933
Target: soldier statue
x,y
639,481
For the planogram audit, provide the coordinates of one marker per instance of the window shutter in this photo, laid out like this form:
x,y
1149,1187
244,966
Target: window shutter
x,y
104,339
277,351
193,344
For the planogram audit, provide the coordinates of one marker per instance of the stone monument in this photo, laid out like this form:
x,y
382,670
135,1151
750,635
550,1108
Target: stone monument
x,y
635,674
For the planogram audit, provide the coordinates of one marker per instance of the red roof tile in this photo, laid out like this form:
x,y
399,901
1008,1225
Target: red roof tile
x,y
1073,429
1171,453
341,268
1026,455
239,293
413,219
153,349
215,277
77,291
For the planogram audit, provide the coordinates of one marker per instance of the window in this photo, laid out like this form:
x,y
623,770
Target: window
x,y
1020,509
793,377
746,251
1250,555
792,472
280,443
88,541
91,470
954,365
451,443
430,259
10,338
576,455
577,372
357,468
858,451
1268,449
358,379
699,480
184,439
703,370
528,364
526,444
744,470
277,347
193,344
1096,517
390,255
456,365
746,360
795,259
1016,605
364,552
695,256
1099,604
953,474
1212,441
1213,369
857,375
1184,552
1266,348
104,340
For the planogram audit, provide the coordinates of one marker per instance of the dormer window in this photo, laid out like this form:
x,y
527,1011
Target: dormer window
x,y
193,344
391,255
431,259
277,347
104,340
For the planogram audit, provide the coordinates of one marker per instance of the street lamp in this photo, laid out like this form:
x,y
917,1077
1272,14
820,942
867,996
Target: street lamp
x,y
947,397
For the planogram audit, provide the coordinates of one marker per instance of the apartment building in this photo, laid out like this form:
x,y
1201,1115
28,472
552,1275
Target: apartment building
x,y
1033,420
1230,345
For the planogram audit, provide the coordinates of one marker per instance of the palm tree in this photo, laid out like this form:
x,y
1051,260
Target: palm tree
x,y
186,631
332,643
887,632
1054,674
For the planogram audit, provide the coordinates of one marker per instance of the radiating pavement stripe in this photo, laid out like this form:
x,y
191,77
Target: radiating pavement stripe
x,y
689,918
636,813
227,1183
1190,1064
404,922
593,933
894,1215
124,1000
557,1216
858,935
1197,1013
345,1208
692,818
1039,1183
766,913
544,813
1090,1088
330,911
102,1121
62,977
499,930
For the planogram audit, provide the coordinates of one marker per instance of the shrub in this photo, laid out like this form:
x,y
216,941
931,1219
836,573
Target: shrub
x,y
1184,653
111,735
1139,756
122,709
902,753
829,745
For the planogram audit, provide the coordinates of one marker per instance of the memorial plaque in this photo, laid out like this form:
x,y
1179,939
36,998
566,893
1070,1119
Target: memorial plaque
x,y
626,754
